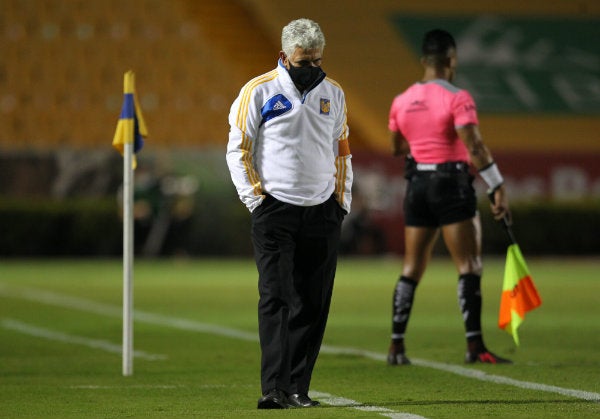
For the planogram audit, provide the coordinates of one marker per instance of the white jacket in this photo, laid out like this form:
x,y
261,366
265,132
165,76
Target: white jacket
x,y
289,145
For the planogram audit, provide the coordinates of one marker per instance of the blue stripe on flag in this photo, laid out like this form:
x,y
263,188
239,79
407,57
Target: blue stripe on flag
x,y
128,109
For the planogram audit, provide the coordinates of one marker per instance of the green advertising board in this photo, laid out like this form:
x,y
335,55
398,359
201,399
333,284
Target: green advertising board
x,y
520,64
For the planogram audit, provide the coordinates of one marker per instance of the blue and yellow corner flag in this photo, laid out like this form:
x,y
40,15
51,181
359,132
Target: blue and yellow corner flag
x,y
131,128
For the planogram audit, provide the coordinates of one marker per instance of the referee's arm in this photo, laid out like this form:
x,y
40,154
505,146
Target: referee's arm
x,y
482,159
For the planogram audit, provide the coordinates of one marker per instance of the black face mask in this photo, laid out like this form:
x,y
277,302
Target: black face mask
x,y
304,77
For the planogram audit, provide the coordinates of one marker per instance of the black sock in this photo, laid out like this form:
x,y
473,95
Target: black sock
x,y
404,294
469,300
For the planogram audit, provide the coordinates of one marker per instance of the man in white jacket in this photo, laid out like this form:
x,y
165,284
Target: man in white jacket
x,y
290,162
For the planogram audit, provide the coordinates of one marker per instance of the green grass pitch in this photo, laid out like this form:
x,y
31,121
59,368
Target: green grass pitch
x,y
198,353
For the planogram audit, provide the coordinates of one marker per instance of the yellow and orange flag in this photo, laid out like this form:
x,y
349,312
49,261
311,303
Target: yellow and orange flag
x,y
131,128
519,294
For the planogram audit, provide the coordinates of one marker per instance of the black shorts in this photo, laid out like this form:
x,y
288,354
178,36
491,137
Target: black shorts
x,y
439,198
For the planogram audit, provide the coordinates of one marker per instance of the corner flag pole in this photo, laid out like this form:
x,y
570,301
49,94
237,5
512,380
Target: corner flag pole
x,y
128,259
128,140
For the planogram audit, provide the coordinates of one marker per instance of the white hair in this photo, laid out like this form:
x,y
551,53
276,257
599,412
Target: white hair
x,y
301,33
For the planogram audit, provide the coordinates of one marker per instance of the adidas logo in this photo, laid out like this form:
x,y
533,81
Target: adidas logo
x,y
279,106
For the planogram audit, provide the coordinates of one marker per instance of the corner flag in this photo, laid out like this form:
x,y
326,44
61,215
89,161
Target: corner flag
x,y
519,294
131,128
128,139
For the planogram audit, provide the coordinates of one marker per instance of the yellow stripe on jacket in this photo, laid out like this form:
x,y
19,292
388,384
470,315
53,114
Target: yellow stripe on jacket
x,y
242,118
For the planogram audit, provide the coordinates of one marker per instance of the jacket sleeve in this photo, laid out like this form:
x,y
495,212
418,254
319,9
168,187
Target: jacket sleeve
x,y
240,149
343,161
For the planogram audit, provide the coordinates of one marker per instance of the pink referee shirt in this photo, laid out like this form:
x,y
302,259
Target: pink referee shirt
x,y
427,115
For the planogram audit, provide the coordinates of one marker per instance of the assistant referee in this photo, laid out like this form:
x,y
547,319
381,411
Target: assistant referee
x,y
435,124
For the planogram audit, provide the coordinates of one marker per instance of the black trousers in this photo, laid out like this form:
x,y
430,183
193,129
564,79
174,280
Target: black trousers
x,y
295,249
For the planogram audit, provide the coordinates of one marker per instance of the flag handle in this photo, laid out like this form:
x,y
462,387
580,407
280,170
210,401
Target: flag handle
x,y
506,221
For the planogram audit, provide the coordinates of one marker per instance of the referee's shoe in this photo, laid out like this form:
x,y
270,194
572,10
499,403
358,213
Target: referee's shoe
x,y
485,357
396,355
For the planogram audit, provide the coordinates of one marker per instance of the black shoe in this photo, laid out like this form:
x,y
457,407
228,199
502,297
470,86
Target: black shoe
x,y
396,355
301,400
274,399
485,357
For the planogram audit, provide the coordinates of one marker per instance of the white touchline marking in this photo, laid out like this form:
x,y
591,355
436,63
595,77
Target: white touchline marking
x,y
104,345
331,400
97,387
159,386
470,373
90,306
